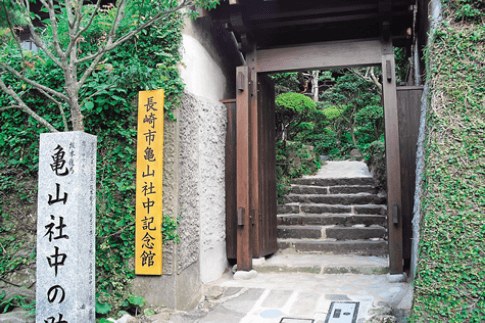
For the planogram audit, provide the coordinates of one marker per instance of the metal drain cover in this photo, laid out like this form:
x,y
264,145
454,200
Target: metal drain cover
x,y
343,312
288,320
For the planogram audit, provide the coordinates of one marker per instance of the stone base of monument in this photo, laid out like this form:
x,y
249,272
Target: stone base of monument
x,y
244,275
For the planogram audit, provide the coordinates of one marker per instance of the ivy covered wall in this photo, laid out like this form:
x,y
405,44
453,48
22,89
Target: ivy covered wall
x,y
450,277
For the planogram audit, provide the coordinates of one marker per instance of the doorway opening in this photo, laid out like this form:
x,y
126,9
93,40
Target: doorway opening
x,y
253,213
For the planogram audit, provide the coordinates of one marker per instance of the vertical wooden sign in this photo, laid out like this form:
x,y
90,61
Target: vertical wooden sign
x,y
149,174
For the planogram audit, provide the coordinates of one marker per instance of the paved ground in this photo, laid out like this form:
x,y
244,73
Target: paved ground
x,y
268,298
342,169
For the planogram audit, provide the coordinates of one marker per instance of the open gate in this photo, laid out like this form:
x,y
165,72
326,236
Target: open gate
x,y
251,170
251,211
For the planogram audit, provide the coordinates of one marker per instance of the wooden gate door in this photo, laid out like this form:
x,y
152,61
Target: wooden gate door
x,y
251,170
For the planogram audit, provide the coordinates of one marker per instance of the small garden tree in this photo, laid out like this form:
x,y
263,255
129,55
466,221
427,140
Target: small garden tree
x,y
293,111
62,45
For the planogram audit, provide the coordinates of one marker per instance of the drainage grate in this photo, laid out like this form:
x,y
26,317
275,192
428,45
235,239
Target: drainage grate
x,y
343,312
288,320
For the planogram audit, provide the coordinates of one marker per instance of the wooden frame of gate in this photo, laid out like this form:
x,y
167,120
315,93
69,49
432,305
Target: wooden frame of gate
x,y
250,169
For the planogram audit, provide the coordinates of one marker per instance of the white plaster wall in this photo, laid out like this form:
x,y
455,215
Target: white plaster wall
x,y
203,77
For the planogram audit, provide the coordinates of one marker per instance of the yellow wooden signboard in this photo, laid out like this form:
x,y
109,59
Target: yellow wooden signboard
x,y
149,173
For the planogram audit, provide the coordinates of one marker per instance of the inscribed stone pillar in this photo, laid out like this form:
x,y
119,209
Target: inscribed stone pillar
x,y
66,228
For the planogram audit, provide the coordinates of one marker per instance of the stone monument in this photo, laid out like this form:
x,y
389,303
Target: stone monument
x,y
66,228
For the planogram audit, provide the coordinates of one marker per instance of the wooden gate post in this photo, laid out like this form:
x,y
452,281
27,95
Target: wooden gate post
x,y
393,161
243,180
256,157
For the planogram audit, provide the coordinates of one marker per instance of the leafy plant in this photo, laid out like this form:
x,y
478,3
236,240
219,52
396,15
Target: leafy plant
x,y
7,305
169,229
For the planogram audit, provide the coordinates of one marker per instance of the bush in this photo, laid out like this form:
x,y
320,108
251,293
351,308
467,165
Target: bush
x,y
293,113
292,161
375,158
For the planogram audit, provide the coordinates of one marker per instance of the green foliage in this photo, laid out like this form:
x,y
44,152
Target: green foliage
x,y
349,117
293,160
11,14
102,308
286,82
169,229
6,305
293,110
465,10
450,280
375,158
295,103
402,64
353,114
370,124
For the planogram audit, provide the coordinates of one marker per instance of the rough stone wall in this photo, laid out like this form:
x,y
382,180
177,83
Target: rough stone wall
x,y
188,249
212,135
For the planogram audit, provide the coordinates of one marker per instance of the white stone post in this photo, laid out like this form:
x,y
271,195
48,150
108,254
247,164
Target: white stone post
x,y
66,228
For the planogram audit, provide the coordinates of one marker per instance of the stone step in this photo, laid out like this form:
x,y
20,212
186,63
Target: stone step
x,y
355,247
352,189
294,208
283,262
334,181
330,232
345,199
332,219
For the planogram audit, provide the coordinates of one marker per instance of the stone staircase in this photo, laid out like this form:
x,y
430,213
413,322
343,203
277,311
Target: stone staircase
x,y
333,216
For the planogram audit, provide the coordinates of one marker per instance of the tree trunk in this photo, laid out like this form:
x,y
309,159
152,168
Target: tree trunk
x,y
315,75
352,125
77,119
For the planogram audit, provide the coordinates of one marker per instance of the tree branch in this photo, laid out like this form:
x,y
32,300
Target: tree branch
x,y
111,34
8,282
80,32
341,113
11,107
38,42
375,80
33,83
132,33
55,35
61,109
71,20
24,107
365,77
13,33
